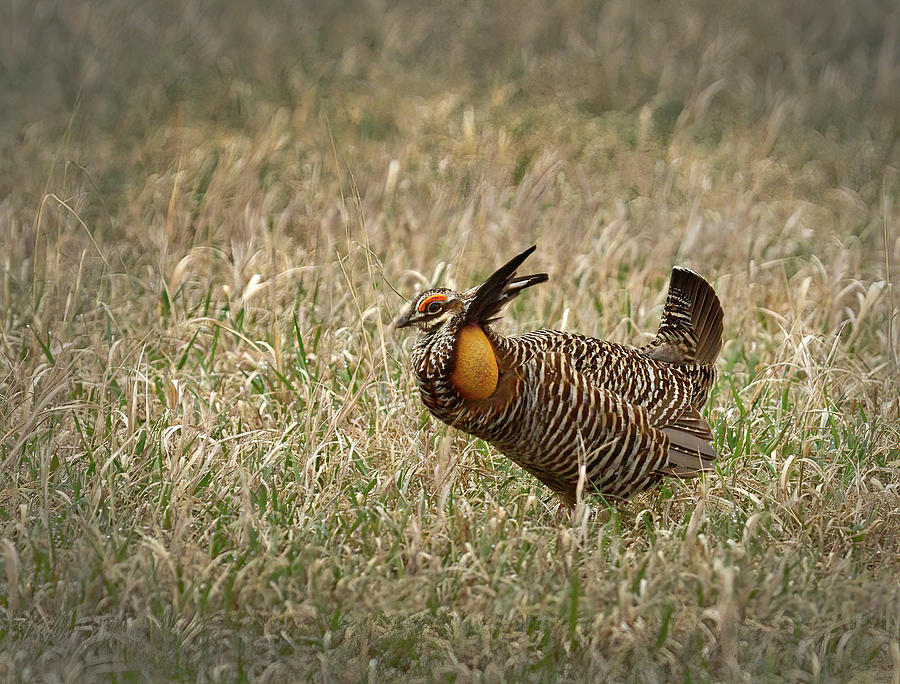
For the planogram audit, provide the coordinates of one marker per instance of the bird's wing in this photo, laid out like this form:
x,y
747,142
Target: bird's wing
x,y
620,374
573,423
625,442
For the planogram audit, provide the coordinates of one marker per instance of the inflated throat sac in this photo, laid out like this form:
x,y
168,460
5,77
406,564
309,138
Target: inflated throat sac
x,y
475,374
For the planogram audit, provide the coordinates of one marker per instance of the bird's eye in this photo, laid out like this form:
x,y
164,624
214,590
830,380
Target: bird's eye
x,y
432,303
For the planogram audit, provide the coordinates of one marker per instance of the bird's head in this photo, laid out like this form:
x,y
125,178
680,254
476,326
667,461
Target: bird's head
x,y
434,310
442,310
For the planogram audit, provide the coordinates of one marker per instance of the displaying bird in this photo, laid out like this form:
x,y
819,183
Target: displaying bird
x,y
554,402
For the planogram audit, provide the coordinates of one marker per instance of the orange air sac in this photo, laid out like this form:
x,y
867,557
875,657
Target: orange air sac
x,y
475,374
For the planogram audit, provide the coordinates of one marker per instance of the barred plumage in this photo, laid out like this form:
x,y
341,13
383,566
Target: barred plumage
x,y
554,401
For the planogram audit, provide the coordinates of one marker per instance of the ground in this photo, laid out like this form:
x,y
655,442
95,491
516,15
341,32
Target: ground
x,y
214,465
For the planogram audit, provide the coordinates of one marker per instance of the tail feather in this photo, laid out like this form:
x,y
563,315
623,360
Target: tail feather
x,y
690,448
691,325
494,293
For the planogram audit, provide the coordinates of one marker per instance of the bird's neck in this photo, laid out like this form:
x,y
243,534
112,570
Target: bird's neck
x,y
460,364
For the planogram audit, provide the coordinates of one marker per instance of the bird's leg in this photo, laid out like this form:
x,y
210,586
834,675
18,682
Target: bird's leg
x,y
565,511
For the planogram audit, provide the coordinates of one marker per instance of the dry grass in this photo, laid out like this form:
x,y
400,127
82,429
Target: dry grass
x,y
213,462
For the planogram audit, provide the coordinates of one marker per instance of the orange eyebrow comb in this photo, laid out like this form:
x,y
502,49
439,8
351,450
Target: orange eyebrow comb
x,y
432,298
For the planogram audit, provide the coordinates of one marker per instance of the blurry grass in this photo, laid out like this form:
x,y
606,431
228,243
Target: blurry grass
x,y
213,462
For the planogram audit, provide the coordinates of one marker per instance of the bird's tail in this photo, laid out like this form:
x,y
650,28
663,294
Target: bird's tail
x,y
691,327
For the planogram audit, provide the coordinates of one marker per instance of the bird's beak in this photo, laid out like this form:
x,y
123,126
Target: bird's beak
x,y
405,320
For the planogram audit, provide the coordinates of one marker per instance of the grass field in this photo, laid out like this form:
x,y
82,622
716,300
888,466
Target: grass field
x,y
214,465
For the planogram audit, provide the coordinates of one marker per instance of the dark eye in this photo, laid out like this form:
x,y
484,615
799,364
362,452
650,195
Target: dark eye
x,y
433,308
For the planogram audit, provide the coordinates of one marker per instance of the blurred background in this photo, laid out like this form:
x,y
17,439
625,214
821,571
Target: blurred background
x,y
510,118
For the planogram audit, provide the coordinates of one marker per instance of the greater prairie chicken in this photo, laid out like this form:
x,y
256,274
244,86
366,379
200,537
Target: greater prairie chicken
x,y
555,401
